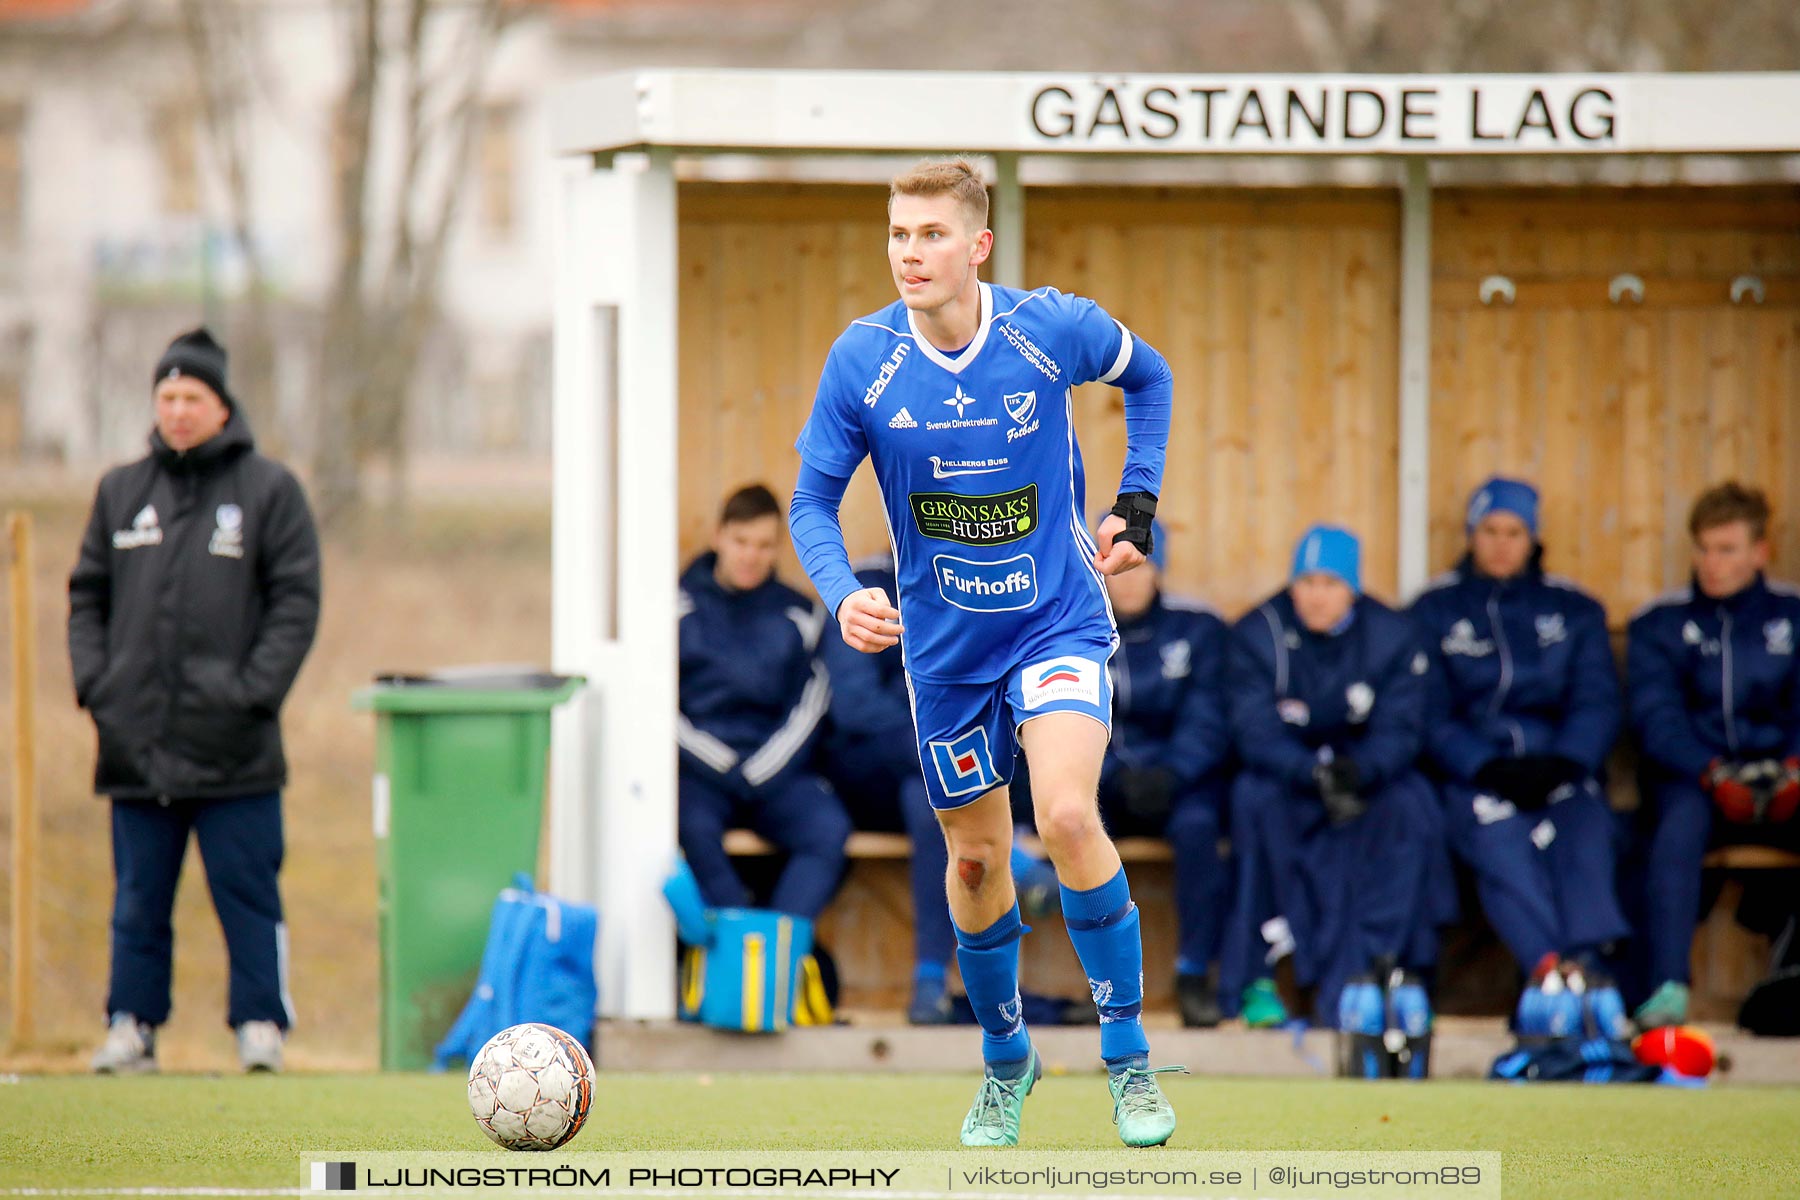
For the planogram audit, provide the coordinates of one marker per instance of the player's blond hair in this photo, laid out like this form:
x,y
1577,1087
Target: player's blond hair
x,y
945,177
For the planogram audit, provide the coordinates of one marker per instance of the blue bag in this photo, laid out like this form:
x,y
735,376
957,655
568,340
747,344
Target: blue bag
x,y
745,969
538,966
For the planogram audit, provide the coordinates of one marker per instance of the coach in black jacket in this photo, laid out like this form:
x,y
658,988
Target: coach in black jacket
x,y
192,606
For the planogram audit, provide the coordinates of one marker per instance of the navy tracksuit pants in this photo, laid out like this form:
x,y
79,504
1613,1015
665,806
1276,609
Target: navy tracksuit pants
x,y
884,791
1545,878
1203,879
1349,894
241,847
1685,830
797,812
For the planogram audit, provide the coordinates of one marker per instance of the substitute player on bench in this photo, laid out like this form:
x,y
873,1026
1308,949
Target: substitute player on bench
x,y
961,395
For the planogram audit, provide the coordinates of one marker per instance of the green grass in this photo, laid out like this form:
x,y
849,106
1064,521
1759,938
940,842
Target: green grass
x,y
1562,1141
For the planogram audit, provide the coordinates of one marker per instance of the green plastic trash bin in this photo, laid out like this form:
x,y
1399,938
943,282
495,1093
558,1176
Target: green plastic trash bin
x,y
458,799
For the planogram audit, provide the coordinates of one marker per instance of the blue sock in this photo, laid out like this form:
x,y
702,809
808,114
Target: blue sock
x,y
1103,924
926,971
990,971
1187,966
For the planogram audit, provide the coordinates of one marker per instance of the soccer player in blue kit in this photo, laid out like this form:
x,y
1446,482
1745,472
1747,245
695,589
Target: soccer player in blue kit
x,y
960,393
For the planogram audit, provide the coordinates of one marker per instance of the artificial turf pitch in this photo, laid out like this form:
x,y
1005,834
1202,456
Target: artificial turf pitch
x,y
1561,1141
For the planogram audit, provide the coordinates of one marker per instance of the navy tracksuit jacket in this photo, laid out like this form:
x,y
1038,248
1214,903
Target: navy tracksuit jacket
x,y
1168,765
1524,667
1706,679
871,756
1347,893
753,693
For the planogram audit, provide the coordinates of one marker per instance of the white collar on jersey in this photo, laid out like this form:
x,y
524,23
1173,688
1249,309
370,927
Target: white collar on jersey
x,y
955,365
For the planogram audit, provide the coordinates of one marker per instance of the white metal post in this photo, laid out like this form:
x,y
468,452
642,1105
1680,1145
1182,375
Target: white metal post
x,y
615,568
1009,223
1415,378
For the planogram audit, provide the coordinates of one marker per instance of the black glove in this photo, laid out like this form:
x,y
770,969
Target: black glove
x,y
1337,782
1529,781
1145,792
1139,510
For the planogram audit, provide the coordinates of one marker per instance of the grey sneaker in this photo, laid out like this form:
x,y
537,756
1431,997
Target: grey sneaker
x,y
259,1046
129,1048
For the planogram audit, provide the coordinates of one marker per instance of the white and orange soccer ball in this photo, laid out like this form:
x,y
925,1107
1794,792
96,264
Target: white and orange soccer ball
x,y
530,1087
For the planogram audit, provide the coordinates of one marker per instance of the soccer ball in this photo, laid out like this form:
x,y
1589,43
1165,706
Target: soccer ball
x,y
530,1087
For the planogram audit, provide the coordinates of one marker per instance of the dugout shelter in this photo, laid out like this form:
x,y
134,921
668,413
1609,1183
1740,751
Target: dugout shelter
x,y
1374,291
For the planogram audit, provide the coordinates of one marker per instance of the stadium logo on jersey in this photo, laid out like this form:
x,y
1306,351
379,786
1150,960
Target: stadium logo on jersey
x,y
145,531
1779,637
976,520
1066,678
964,764
1462,641
1029,352
902,420
883,377
1177,659
1550,630
951,468
1004,586
228,537
1361,699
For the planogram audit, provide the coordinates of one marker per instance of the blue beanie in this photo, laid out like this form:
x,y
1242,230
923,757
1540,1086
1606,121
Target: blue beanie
x,y
1159,554
1501,494
1331,550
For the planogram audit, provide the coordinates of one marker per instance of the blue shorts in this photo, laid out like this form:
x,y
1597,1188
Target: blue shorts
x,y
969,732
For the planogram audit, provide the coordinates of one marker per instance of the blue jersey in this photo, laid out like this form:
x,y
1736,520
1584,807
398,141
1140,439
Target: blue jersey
x,y
980,474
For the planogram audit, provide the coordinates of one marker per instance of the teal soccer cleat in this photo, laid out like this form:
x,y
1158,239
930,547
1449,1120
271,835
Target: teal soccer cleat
x,y
1140,1110
993,1119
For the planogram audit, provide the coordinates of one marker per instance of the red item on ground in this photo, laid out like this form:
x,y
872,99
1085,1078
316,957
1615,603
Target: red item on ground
x,y
1684,1048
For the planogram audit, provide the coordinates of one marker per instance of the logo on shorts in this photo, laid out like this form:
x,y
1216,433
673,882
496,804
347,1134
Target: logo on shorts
x,y
1066,678
1004,586
1292,711
964,764
992,520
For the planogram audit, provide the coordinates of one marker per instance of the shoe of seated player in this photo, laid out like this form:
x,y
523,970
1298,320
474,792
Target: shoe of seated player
x,y
993,1119
129,1048
1262,1007
1198,1000
259,1046
930,1004
1140,1110
1668,1005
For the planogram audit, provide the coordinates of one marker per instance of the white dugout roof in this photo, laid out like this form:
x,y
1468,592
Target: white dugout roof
x,y
612,825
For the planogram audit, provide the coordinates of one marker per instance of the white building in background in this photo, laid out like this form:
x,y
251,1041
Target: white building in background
x,y
115,229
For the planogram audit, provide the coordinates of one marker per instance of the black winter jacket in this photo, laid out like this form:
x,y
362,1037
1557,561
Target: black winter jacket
x,y
191,609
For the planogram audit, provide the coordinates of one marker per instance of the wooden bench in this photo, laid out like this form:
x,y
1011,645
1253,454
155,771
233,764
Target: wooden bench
x,y
869,925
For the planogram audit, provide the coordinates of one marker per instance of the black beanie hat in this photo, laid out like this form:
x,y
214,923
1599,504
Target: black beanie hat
x,y
198,356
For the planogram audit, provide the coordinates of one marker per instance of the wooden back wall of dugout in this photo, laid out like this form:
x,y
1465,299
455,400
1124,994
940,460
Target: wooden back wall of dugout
x,y
1278,312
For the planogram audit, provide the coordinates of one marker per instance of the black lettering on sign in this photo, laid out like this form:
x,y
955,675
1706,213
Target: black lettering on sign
x,y
1150,107
1060,114
1599,110
1408,133
1351,134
